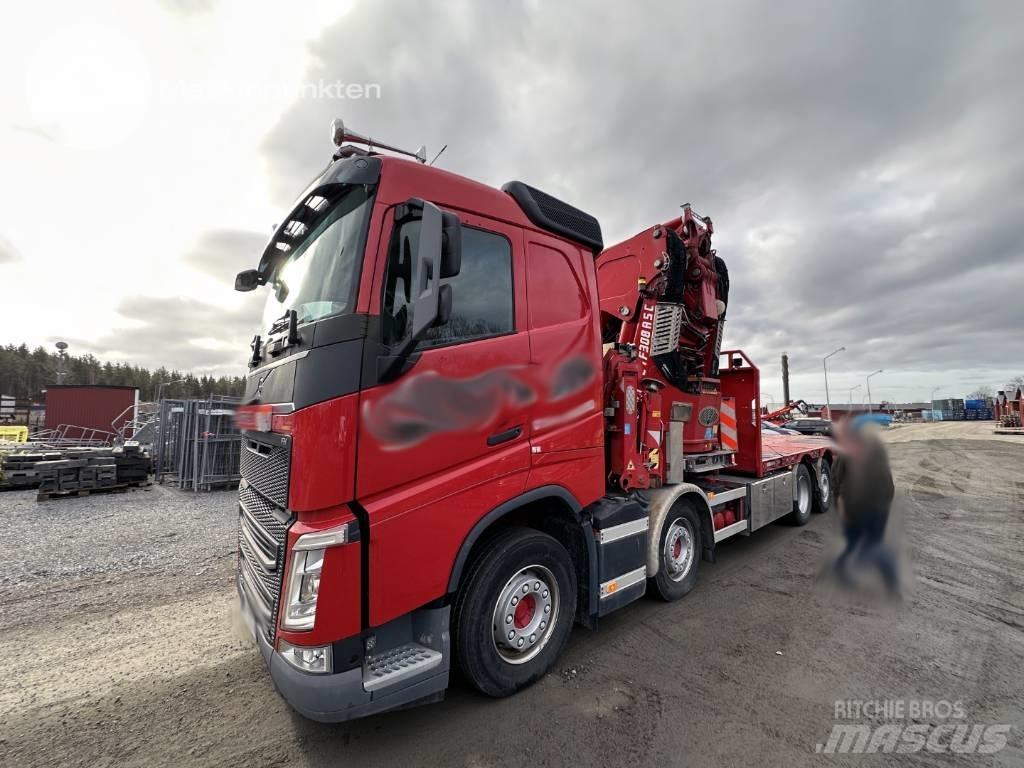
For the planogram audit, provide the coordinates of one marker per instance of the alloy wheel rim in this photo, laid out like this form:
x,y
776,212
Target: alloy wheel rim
x,y
679,549
524,614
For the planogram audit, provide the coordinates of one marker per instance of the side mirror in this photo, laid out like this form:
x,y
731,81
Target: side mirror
x,y
451,245
438,254
426,271
248,280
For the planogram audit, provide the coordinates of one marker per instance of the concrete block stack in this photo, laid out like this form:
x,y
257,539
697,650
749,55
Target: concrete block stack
x,y
134,466
19,469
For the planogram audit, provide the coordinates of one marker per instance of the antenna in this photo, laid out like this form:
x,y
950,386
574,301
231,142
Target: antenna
x,y
438,155
340,134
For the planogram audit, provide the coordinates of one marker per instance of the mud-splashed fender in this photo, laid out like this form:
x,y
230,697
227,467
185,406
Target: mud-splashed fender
x,y
660,503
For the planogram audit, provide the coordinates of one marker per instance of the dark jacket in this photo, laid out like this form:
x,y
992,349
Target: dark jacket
x,y
865,485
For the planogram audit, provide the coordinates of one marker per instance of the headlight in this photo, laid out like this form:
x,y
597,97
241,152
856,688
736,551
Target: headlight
x,y
303,584
303,587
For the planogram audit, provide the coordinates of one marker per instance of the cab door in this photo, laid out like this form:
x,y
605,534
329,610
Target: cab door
x,y
567,430
448,439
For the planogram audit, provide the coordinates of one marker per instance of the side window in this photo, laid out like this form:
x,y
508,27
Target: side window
x,y
554,291
481,292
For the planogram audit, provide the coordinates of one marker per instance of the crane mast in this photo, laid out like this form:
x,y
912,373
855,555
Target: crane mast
x,y
664,294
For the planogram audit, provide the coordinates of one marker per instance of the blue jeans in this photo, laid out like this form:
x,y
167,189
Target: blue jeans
x,y
868,534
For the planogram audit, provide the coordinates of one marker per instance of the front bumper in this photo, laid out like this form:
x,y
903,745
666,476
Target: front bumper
x,y
333,698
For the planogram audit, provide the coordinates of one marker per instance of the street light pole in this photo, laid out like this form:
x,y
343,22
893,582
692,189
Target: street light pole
x,y
850,399
160,389
824,365
868,380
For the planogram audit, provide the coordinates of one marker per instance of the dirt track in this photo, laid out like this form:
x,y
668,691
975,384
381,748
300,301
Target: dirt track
x,y
139,665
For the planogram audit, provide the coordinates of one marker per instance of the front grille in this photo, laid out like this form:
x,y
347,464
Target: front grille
x,y
263,524
265,468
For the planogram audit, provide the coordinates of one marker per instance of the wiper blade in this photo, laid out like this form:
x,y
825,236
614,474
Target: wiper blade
x,y
280,324
289,320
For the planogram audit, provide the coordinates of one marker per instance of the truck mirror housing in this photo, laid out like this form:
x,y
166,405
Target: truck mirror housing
x,y
451,245
430,302
247,280
426,270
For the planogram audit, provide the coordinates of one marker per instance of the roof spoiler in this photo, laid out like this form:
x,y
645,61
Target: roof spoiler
x,y
552,214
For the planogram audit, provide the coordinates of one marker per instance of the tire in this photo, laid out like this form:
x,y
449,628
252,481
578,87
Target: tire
x,y
679,552
823,493
804,496
492,604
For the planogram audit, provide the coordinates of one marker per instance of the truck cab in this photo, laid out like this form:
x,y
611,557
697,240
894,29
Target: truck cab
x,y
425,470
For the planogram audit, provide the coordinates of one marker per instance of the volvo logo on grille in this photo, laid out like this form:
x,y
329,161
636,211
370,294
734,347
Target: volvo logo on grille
x,y
708,416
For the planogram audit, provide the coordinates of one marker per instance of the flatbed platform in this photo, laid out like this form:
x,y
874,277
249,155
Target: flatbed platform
x,y
778,451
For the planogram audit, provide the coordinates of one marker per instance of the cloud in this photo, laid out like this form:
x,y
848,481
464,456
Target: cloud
x,y
189,7
180,333
866,181
222,253
8,253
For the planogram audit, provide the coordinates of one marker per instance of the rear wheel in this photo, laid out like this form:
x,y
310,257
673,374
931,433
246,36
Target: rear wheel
x,y
679,552
515,611
804,496
823,496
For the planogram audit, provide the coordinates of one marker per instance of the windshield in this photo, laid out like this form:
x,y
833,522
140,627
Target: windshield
x,y
320,277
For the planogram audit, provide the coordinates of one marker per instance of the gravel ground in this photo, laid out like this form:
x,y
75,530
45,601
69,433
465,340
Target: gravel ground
x,y
120,647
108,543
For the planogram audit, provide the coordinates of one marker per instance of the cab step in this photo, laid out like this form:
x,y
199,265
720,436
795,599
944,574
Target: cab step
x,y
398,664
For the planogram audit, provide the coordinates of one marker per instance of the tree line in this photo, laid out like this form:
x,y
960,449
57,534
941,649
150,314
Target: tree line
x,y
25,373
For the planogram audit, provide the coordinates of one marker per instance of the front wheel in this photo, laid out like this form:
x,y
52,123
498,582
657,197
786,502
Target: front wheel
x,y
515,611
679,551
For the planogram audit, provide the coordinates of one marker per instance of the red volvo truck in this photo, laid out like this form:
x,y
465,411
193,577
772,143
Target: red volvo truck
x,y
469,426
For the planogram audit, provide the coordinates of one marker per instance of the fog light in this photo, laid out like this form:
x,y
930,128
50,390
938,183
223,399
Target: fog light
x,y
315,659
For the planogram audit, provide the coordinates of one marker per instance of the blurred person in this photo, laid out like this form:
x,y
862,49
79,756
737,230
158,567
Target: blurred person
x,y
864,491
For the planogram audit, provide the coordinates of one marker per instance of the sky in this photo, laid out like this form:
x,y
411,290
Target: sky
x,y
864,169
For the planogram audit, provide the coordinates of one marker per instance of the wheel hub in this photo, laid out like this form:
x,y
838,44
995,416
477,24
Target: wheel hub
x,y
679,549
524,613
